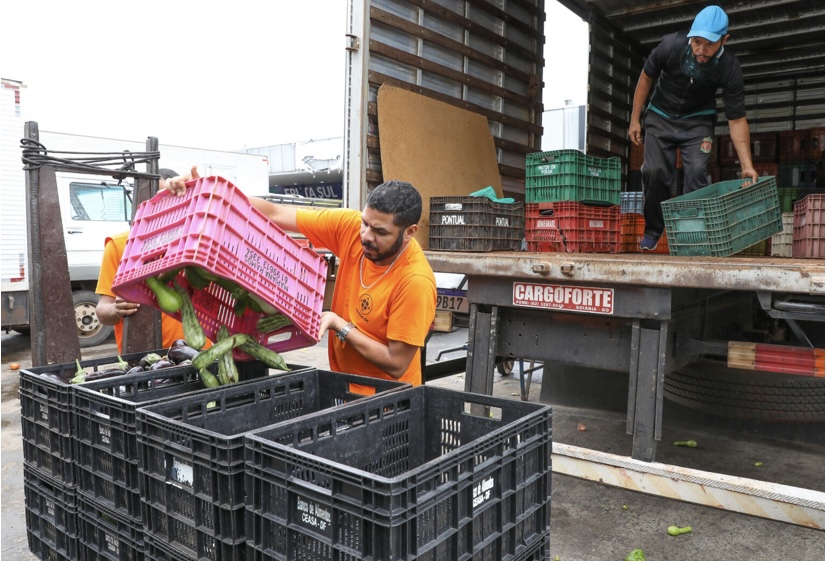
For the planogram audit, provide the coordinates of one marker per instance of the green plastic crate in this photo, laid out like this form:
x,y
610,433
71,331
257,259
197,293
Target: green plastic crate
x,y
571,175
722,219
787,196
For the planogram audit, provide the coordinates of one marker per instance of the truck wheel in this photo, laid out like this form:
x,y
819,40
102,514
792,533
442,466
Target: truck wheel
x,y
506,367
711,387
91,332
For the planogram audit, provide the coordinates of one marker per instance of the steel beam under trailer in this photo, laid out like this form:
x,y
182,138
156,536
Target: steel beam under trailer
x,y
794,505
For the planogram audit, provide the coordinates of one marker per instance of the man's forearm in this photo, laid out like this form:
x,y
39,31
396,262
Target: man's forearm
x,y
739,133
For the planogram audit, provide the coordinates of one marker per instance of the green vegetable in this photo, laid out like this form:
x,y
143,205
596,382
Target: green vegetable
x,y
235,291
195,278
265,355
193,332
227,371
80,374
168,300
675,531
122,364
263,306
635,555
207,377
165,278
205,358
759,464
687,443
267,324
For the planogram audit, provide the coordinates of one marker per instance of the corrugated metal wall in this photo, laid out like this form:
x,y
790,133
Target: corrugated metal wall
x,y
484,56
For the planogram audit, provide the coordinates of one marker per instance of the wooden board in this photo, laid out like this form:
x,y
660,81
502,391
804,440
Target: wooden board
x,y
443,321
442,150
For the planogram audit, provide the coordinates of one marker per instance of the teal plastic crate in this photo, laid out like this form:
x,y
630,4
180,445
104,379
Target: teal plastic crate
x,y
571,175
722,219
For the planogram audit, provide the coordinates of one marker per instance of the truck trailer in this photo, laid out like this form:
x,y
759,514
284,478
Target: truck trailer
x,y
667,313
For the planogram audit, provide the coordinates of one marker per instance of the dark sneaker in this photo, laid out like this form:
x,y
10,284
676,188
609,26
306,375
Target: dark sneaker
x,y
648,243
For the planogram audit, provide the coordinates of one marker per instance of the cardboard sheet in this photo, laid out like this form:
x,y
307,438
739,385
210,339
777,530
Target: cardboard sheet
x,y
442,150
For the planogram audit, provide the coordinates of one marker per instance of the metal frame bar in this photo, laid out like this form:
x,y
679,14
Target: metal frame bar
x,y
793,505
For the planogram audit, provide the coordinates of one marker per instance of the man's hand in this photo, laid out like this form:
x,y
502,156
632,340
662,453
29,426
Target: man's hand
x,y
635,133
750,174
328,321
178,185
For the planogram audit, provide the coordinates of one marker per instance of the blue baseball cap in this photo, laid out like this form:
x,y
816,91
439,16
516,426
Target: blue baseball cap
x,y
711,23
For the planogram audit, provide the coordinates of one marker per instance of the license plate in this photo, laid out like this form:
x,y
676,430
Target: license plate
x,y
454,302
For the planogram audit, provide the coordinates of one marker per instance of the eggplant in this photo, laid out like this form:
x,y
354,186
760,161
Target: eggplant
x,y
181,353
103,374
179,343
163,363
149,360
136,370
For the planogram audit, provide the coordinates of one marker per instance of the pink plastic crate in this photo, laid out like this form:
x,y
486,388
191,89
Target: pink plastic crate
x,y
215,227
808,227
572,227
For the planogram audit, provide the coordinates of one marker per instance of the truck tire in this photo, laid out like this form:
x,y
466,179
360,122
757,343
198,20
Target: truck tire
x,y
91,332
711,387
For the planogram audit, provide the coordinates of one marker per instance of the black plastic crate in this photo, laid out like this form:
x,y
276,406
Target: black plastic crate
x,y
107,535
106,447
160,551
475,224
420,474
46,398
51,517
192,454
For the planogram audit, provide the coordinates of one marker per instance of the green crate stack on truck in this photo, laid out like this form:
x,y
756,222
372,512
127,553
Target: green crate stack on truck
x,y
572,202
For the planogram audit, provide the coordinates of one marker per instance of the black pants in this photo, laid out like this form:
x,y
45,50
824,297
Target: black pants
x,y
695,138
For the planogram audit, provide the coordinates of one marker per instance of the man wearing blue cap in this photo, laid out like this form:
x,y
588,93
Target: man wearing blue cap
x,y
687,70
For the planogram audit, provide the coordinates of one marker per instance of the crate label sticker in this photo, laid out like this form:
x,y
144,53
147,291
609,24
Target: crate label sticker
x,y
453,220
590,300
104,434
596,224
482,492
267,270
164,238
112,543
547,224
50,508
502,221
595,172
314,516
181,472
547,169
453,206
44,414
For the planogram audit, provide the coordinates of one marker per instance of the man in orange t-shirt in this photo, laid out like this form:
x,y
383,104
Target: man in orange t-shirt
x,y
111,309
384,300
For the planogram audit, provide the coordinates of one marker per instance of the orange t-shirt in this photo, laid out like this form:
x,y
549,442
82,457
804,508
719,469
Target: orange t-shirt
x,y
399,306
171,328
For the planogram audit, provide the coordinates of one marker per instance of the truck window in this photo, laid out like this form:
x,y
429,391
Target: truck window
x,y
99,202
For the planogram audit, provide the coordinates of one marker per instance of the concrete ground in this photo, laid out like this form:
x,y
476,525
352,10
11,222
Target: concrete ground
x,y
589,521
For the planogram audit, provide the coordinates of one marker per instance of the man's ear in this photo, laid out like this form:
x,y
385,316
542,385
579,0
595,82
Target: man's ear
x,y
724,39
410,231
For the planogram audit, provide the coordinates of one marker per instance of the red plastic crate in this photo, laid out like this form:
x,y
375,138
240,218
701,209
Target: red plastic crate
x,y
572,227
631,232
794,145
214,226
808,227
816,143
763,146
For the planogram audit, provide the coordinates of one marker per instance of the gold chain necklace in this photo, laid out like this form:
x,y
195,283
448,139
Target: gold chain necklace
x,y
362,264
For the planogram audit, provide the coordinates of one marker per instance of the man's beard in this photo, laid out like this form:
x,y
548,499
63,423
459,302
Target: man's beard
x,y
389,253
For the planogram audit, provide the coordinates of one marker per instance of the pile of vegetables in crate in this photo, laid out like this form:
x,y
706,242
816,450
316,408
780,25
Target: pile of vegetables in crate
x,y
173,298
